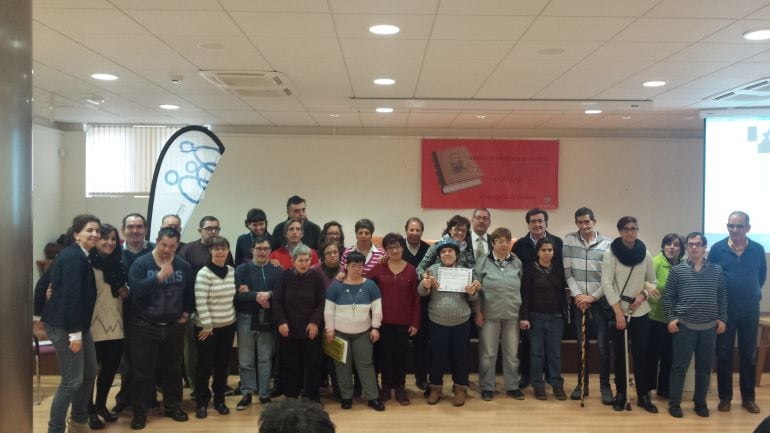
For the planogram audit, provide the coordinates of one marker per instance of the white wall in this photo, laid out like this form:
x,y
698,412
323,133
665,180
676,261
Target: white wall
x,y
47,221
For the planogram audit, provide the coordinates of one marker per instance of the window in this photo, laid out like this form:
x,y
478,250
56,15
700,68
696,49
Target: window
x,y
120,160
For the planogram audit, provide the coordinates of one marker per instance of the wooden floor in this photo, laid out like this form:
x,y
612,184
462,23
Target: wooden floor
x,y
503,414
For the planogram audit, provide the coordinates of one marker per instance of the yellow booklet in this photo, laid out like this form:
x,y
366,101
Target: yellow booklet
x,y
337,349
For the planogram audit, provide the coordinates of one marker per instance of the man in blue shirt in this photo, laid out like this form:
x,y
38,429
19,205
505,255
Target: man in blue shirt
x,y
745,270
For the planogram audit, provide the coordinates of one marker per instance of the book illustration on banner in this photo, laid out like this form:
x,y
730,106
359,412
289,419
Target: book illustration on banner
x,y
456,169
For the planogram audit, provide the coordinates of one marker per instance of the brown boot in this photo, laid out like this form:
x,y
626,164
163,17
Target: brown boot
x,y
385,393
460,394
401,396
77,427
435,394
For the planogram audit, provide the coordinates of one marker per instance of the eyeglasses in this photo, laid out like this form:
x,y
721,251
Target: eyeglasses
x,y
393,247
211,229
694,244
629,229
262,249
736,226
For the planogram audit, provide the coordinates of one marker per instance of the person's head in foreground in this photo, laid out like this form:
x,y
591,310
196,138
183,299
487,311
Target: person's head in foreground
x,y
295,416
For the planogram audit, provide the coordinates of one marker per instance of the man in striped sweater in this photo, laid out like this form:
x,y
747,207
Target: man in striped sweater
x,y
695,303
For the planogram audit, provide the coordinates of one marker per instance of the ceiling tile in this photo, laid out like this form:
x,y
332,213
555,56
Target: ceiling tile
x,y
289,118
763,13
575,29
195,22
432,119
384,120
72,4
705,51
734,32
240,117
304,6
337,119
299,47
95,22
314,77
522,80
447,78
568,121
670,29
598,8
492,28
524,121
468,50
364,71
706,8
537,50
636,50
134,51
383,48
478,120
280,25
492,7
383,7
178,5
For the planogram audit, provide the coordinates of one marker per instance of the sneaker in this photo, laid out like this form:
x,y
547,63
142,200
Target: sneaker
x,y
487,395
245,402
675,411
515,393
702,410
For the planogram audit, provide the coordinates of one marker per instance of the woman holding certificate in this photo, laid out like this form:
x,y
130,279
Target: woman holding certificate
x,y
453,290
353,312
542,312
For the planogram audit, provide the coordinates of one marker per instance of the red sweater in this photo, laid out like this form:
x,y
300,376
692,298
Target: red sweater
x,y
400,300
284,257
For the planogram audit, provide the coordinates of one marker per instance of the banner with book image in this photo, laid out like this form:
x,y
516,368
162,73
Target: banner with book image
x,y
502,174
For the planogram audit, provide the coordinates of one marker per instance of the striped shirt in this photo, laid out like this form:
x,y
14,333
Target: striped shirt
x,y
214,299
697,299
373,257
348,305
583,263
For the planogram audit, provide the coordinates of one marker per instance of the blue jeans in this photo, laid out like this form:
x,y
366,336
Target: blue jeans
x,y
744,324
78,371
687,342
545,334
251,343
449,352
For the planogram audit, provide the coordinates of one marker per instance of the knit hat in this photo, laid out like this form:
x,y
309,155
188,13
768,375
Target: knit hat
x,y
447,243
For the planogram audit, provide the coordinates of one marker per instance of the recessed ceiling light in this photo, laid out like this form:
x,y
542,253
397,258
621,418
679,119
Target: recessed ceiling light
x,y
757,35
593,111
481,116
384,81
104,77
654,83
95,100
384,29
625,117
169,106
384,110
334,115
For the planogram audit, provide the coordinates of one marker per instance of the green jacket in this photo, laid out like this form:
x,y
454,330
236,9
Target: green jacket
x,y
662,267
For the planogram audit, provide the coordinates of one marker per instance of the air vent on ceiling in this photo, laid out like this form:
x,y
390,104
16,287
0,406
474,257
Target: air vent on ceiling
x,y
753,92
259,84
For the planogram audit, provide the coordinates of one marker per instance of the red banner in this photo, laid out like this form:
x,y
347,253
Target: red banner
x,y
501,174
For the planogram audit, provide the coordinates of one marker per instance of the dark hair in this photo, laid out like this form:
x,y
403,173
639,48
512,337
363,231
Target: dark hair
x,y
138,215
364,223
105,230
584,211
259,240
671,237
500,232
290,222
295,199
457,220
536,211
393,238
255,215
542,241
414,219
295,416
171,215
355,257
695,235
218,241
625,220
740,213
80,222
169,232
324,245
326,227
206,218
113,271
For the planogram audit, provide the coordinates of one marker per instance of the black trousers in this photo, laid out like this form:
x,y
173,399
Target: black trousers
x,y
659,356
421,343
390,353
155,348
108,354
301,366
639,334
213,360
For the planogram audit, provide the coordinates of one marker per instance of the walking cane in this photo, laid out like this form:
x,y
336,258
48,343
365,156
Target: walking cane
x,y
583,357
628,373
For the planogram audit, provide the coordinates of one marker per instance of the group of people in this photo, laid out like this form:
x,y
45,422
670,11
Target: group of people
x,y
160,311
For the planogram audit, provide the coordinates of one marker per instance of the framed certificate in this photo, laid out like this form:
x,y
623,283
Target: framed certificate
x,y
454,279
